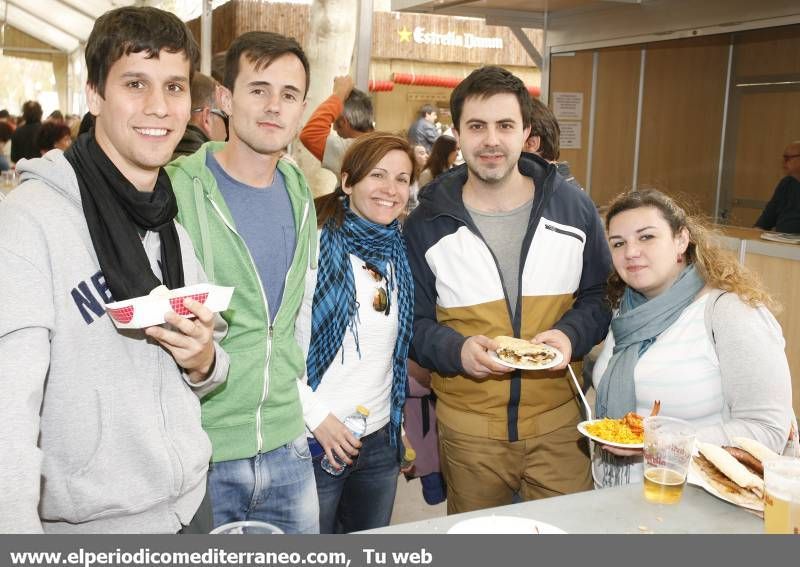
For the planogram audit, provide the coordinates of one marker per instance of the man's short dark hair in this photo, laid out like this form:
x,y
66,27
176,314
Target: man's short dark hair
x,y
202,89
358,111
31,112
262,48
4,114
425,109
545,125
50,133
131,29
489,81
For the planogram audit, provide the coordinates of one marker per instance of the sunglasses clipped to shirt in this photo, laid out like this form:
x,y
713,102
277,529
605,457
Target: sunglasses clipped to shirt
x,y
380,301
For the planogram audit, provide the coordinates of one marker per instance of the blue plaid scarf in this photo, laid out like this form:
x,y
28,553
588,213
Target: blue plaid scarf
x,y
335,308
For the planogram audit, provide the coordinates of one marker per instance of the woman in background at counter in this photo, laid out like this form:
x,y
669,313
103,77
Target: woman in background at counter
x,y
692,328
361,318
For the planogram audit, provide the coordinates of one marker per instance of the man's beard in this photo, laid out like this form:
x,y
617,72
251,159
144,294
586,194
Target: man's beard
x,y
496,175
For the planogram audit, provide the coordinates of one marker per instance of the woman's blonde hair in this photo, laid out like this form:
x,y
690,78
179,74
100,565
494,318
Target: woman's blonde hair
x,y
719,268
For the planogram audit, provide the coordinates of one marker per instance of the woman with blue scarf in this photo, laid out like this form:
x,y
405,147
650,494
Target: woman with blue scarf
x,y
693,329
361,320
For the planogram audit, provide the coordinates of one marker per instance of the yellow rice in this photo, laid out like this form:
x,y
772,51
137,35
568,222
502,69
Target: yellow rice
x,y
614,430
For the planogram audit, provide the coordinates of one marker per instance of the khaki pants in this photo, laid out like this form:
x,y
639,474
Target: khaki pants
x,y
483,473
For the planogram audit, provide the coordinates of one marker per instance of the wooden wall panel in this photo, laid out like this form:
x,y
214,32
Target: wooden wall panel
x,y
767,52
615,122
574,74
767,121
682,118
780,277
237,17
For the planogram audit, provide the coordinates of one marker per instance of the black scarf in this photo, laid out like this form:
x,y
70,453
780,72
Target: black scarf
x,y
114,212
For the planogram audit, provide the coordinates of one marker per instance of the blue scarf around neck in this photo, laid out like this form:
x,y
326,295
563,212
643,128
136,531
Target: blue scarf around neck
x,y
335,309
635,328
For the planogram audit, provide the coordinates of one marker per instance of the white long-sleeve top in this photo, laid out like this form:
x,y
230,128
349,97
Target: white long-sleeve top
x,y
738,385
351,379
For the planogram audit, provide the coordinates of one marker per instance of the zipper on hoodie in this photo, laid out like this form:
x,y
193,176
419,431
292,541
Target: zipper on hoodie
x,y
176,466
265,389
270,328
270,333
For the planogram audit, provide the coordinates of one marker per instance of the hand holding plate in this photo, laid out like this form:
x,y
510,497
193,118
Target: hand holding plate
x,y
476,360
620,452
559,341
192,342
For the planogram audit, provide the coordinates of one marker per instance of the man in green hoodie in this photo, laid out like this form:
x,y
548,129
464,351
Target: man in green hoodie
x,y
251,218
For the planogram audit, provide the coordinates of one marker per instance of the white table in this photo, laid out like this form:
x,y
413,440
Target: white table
x,y
621,510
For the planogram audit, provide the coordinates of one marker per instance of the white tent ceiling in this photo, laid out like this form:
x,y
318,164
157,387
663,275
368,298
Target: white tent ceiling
x,y
64,24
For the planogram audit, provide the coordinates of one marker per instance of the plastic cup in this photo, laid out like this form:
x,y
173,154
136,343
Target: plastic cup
x,y
8,180
668,445
782,496
247,527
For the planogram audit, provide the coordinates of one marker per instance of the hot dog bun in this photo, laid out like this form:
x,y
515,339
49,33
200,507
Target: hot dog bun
x,y
759,451
725,486
731,468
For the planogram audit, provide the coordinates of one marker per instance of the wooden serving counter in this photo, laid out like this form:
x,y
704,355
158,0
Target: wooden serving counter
x,y
778,265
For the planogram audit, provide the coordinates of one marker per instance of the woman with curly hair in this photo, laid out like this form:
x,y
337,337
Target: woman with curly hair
x,y
693,329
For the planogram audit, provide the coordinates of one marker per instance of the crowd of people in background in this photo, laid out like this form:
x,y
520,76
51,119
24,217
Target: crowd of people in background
x,y
432,244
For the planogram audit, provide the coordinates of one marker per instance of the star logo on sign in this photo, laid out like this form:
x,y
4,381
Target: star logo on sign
x,y
405,34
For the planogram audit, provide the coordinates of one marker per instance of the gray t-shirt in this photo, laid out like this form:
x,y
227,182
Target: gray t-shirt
x,y
504,233
264,219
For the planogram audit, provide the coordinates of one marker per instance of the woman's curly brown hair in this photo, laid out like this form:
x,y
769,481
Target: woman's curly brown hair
x,y
718,267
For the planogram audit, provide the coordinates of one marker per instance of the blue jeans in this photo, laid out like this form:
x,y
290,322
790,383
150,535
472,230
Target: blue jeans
x,y
362,497
275,487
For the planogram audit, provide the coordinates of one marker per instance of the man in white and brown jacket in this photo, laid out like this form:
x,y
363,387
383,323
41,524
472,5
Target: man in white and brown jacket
x,y
503,245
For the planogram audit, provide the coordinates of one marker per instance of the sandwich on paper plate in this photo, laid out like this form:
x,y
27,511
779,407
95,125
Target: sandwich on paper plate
x,y
737,472
519,352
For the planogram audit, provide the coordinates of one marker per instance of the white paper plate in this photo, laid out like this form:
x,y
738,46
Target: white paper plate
x,y
503,525
695,478
149,310
582,428
555,362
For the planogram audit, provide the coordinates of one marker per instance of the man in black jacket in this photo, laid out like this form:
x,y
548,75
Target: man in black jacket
x,y
207,121
782,213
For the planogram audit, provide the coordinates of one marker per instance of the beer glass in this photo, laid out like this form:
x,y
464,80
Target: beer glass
x,y
782,496
247,527
668,445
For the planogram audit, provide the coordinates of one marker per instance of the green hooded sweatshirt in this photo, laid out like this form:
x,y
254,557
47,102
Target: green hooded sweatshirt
x,y
258,409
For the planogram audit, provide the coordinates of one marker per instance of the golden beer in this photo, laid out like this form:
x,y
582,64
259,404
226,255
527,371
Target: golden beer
x,y
782,496
663,486
781,516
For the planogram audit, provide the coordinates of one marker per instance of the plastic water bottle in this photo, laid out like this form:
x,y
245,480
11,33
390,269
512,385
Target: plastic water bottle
x,y
407,463
357,423
409,457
